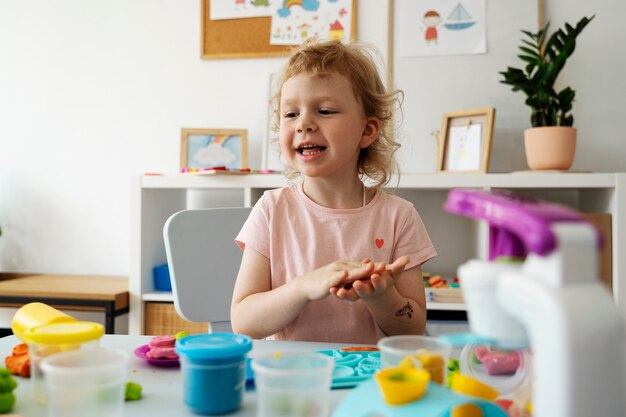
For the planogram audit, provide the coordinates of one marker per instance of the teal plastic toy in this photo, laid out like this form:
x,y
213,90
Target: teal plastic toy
x,y
352,368
366,400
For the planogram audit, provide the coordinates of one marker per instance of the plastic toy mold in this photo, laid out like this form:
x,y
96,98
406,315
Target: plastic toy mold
x,y
353,367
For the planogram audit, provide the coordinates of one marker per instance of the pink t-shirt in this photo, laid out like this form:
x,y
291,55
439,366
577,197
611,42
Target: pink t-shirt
x,y
298,236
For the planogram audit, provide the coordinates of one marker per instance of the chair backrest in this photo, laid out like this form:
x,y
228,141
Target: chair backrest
x,y
204,261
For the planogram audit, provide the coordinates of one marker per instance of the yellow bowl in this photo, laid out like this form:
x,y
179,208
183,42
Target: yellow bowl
x,y
403,384
463,384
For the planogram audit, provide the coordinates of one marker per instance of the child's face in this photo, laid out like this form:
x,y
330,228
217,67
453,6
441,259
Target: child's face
x,y
431,21
323,126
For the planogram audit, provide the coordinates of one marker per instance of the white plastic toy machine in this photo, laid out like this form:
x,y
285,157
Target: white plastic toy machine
x,y
552,302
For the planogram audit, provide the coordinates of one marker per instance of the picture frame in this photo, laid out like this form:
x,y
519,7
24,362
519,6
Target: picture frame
x,y
210,148
271,147
465,141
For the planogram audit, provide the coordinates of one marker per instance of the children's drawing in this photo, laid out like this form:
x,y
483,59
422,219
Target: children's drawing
x,y
293,21
431,21
207,148
464,148
308,5
239,9
422,30
459,19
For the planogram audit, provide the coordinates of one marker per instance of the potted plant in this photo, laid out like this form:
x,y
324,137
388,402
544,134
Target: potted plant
x,y
551,142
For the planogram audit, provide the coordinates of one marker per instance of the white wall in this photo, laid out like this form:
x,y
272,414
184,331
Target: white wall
x,y
92,92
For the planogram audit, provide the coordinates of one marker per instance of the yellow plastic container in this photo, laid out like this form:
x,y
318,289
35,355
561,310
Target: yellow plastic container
x,y
36,314
403,384
49,339
464,384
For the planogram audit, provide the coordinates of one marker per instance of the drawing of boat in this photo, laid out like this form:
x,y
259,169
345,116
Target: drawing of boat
x,y
459,19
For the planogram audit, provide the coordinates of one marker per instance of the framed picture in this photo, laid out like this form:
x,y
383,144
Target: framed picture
x,y
211,148
465,141
271,147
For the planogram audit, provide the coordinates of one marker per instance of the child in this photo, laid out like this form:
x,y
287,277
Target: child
x,y
329,259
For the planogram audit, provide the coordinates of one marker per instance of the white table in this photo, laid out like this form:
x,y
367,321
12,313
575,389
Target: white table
x,y
162,387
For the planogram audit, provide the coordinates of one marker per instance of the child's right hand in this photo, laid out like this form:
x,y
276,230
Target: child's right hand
x,y
316,285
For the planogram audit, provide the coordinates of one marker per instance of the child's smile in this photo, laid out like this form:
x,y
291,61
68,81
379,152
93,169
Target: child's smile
x,y
310,151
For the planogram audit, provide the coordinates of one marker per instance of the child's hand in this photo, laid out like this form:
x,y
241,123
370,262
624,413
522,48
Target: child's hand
x,y
382,278
317,284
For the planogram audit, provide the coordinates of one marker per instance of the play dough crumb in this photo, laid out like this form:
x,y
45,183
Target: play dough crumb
x,y
133,391
19,361
181,334
7,385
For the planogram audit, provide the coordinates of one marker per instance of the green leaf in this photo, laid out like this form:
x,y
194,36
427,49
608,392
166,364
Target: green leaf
x,y
530,52
533,45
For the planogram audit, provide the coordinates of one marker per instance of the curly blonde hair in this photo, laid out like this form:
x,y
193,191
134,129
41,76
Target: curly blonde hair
x,y
355,61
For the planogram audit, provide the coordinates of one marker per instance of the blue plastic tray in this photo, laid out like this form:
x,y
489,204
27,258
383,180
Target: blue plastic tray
x,y
351,368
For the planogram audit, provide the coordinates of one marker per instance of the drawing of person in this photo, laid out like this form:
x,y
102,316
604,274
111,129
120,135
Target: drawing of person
x,y
431,20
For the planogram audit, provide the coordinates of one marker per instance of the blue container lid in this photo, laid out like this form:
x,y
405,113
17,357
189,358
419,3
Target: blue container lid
x,y
213,346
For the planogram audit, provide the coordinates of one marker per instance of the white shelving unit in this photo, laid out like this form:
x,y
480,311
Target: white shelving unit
x,y
155,198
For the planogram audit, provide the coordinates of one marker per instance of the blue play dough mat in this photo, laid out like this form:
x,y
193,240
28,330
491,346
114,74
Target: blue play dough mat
x,y
351,368
367,400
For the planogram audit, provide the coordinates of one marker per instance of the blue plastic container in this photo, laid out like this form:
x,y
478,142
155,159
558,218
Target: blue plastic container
x,y
161,275
214,371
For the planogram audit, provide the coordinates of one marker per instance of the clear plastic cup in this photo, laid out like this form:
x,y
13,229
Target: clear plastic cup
x,y
424,352
55,338
213,368
86,383
293,384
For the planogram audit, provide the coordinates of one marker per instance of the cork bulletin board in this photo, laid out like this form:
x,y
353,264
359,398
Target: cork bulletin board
x,y
251,36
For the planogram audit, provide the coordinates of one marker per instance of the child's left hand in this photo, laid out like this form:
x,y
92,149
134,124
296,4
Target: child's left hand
x,y
383,278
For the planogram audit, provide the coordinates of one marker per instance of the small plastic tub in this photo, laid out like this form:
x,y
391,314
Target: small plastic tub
x,y
214,371
86,383
51,339
424,352
293,384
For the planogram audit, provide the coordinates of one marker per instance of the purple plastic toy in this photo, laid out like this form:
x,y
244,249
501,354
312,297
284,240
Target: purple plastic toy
x,y
517,224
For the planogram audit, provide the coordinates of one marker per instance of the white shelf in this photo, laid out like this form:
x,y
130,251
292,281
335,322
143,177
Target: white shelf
x,y
417,181
432,305
155,198
195,181
518,180
160,296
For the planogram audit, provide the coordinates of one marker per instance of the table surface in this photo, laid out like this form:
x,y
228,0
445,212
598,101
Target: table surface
x,y
162,387
111,288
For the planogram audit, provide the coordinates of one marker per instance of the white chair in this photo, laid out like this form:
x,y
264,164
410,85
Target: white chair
x,y
204,260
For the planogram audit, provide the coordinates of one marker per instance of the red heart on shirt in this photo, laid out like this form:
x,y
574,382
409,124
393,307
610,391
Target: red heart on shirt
x,y
380,243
